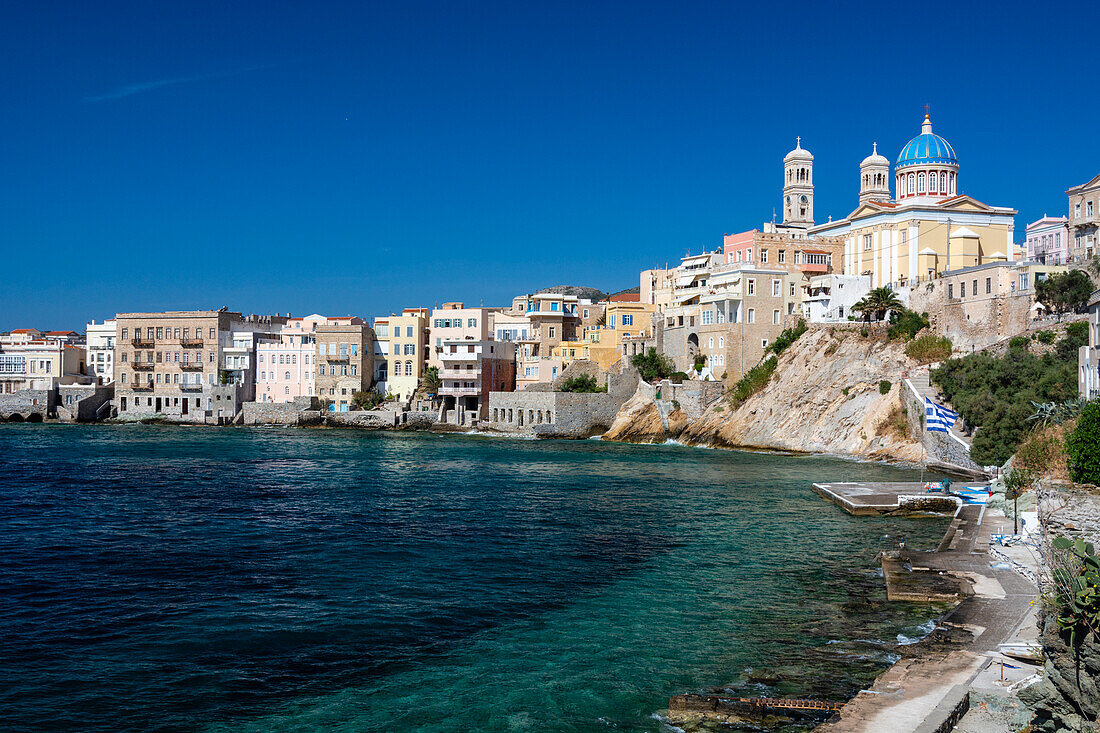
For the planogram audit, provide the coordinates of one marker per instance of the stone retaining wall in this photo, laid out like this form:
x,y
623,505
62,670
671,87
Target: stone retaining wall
x,y
941,447
282,413
27,402
82,402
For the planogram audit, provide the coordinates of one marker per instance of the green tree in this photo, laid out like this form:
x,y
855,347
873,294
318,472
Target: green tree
x,y
652,365
366,400
582,383
1017,481
431,380
1064,292
877,303
1083,446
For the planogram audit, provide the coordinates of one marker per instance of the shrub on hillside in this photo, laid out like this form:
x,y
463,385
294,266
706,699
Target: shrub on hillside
x,y
1044,337
906,324
1083,446
754,380
653,366
928,347
582,383
995,394
1077,335
1064,292
678,377
884,386
1018,342
1043,452
787,337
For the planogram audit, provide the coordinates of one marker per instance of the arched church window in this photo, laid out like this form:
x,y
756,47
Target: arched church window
x,y
920,183
943,183
912,181
932,181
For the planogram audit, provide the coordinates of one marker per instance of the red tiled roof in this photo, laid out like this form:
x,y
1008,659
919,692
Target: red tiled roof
x,y
626,298
26,330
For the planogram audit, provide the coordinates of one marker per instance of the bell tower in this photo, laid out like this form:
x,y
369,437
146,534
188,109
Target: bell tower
x,y
874,177
798,187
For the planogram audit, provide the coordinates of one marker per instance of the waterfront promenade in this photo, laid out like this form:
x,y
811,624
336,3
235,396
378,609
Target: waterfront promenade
x,y
928,690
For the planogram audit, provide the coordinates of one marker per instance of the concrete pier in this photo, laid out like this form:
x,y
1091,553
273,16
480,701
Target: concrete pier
x,y
863,498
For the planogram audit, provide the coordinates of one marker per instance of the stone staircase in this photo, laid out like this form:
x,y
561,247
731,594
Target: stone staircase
x,y
920,381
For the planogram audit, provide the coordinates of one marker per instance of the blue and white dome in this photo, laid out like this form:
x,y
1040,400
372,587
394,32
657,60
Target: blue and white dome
x,y
927,148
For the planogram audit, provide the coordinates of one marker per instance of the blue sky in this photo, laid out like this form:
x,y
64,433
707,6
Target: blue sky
x,y
365,157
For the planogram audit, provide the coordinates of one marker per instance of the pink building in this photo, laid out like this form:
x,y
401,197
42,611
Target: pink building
x,y
1048,241
738,247
286,366
456,322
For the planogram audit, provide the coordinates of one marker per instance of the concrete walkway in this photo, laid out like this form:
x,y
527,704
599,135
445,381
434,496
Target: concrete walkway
x,y
929,691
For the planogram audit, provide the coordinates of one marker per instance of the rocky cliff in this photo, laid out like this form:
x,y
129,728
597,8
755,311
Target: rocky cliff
x,y
823,397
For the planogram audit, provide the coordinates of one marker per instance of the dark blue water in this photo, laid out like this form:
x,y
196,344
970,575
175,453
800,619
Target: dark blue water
x,y
180,579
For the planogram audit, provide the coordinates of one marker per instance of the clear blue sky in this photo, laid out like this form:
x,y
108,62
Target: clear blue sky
x,y
364,157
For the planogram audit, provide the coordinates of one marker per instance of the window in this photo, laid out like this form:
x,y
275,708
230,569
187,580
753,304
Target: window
x,y
586,313
974,290
552,332
988,285
1076,214
710,343
932,182
797,257
124,335
1088,209
213,333
752,315
782,256
708,317
628,320
943,183
763,343
408,331
763,256
286,389
912,181
752,286
950,291
867,242
792,289
775,317
160,333
776,291
471,323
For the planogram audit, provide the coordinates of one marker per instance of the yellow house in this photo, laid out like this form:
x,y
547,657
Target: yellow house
x,y
601,344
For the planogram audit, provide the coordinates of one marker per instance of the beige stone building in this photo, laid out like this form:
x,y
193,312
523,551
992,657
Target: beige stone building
x,y
978,306
1084,220
1088,359
177,364
344,359
409,346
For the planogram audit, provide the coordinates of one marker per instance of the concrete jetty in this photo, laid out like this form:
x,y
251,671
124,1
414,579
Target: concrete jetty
x,y
929,690
869,498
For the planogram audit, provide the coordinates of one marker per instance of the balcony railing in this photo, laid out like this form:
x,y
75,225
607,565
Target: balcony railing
x,y
143,366
141,343
460,373
191,386
459,390
334,357
191,342
140,386
191,366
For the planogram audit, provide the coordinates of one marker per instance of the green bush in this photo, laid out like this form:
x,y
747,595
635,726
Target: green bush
x,y
1077,335
1083,446
653,366
754,380
1044,337
1018,342
996,394
582,383
863,332
884,386
700,362
366,400
787,337
928,347
678,377
1064,291
906,324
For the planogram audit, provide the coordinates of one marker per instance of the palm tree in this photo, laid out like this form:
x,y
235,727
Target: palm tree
x,y
878,302
431,381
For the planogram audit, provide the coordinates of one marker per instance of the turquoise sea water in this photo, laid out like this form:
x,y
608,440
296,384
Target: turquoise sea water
x,y
193,579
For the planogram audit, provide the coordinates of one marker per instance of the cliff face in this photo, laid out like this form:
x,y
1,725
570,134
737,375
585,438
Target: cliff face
x,y
823,397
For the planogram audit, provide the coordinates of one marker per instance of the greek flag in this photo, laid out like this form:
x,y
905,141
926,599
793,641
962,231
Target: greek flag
x,y
938,418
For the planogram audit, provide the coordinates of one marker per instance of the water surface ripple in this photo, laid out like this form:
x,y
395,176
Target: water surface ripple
x,y
183,579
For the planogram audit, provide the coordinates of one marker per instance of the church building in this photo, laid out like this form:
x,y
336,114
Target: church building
x,y
927,227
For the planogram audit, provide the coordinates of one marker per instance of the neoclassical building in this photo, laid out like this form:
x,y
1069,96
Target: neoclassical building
x,y
927,227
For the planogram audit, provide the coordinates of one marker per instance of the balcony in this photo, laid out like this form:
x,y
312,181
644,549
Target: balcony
x,y
191,366
143,366
140,386
460,373
195,342
191,386
142,343
460,356
334,357
459,390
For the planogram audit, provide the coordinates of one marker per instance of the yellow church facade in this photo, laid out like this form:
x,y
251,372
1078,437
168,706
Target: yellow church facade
x,y
928,228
